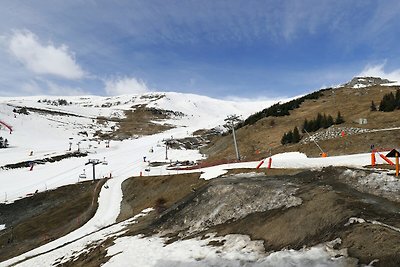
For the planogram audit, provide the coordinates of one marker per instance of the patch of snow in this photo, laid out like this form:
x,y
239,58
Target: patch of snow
x,y
2,227
249,174
353,220
377,181
59,252
361,220
290,156
211,207
235,250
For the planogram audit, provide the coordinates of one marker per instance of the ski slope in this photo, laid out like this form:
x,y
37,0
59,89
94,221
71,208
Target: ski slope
x,y
50,134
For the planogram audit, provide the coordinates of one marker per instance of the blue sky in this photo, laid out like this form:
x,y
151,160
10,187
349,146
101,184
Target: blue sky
x,y
224,49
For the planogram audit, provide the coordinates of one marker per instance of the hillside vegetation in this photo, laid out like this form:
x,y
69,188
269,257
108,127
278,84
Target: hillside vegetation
x,y
261,134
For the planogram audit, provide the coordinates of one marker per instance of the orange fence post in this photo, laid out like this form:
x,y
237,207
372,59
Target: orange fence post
x,y
269,163
259,164
373,159
386,159
397,164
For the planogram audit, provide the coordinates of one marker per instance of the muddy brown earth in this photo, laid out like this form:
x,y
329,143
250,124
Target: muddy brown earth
x,y
291,212
286,209
33,221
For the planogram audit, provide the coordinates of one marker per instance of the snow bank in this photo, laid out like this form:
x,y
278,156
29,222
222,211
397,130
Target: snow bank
x,y
234,250
300,160
377,183
65,252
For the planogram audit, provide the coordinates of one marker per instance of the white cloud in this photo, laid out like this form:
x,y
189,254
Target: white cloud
x,y
56,89
125,85
45,87
44,59
379,71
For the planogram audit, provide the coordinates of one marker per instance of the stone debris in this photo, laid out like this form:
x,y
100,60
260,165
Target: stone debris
x,y
331,133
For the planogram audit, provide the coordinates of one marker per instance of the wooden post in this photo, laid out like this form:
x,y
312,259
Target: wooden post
x,y
397,164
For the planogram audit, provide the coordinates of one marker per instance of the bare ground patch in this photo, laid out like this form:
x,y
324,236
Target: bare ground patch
x,y
34,221
257,140
139,121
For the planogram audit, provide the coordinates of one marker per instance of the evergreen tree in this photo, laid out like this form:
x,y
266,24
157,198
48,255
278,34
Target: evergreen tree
x,y
324,122
339,118
318,122
289,137
391,102
382,106
373,106
330,120
397,99
306,126
284,139
296,135
388,103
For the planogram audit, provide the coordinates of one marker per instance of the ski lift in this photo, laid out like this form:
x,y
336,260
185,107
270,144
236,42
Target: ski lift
x,y
82,175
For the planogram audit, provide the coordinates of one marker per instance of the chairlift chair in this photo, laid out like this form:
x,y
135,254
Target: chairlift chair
x,y
82,175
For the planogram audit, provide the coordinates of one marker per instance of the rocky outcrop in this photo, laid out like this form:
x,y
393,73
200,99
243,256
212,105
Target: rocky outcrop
x,y
360,82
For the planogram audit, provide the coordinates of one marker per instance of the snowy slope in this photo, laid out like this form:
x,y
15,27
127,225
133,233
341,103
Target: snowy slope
x,y
40,135
50,134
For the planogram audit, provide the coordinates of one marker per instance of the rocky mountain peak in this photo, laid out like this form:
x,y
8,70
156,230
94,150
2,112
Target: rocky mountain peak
x,y
360,82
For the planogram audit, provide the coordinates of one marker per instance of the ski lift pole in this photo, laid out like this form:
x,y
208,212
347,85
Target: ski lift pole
x,y
166,149
94,162
323,153
231,119
234,141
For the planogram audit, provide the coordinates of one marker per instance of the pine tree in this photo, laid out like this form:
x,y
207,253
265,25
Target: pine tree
x,y
296,135
382,105
397,99
306,126
388,103
373,106
318,122
391,102
339,118
324,122
330,120
284,139
289,137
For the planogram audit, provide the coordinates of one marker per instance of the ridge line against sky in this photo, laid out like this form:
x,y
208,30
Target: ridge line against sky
x,y
223,49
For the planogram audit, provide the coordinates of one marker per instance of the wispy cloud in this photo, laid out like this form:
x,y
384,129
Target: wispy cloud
x,y
125,85
43,87
44,59
56,89
378,70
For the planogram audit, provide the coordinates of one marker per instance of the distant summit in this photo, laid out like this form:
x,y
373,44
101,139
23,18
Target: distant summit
x,y
360,82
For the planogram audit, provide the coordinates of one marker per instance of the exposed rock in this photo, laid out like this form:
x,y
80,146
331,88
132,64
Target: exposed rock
x,y
360,82
333,132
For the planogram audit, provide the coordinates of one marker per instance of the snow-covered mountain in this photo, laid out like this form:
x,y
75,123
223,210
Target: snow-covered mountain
x,y
44,127
54,124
